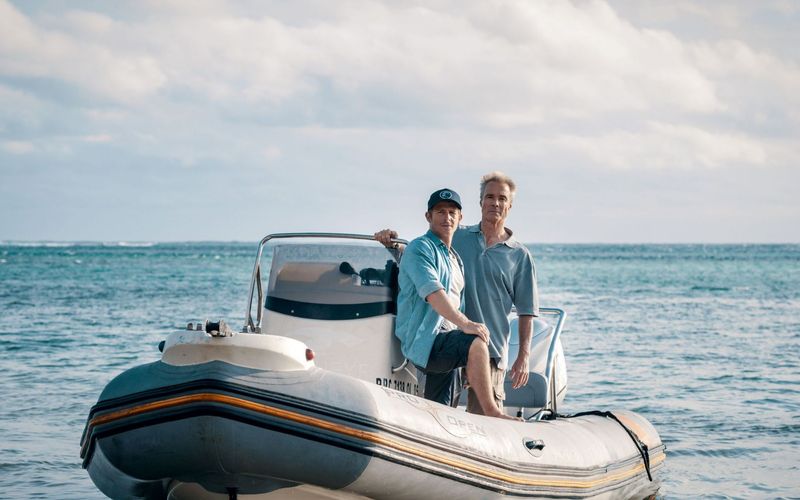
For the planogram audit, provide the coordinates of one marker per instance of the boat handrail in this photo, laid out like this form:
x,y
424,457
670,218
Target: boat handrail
x,y
255,281
550,369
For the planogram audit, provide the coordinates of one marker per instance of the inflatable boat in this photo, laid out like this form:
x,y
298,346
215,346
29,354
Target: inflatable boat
x,y
313,399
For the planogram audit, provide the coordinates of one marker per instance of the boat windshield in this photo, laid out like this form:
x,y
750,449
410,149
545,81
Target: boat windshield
x,y
332,280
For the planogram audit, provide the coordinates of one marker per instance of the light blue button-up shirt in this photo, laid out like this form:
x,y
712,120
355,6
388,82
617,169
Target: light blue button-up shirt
x,y
496,278
425,268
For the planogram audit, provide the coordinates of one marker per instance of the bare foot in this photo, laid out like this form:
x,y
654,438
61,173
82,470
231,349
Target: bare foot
x,y
500,414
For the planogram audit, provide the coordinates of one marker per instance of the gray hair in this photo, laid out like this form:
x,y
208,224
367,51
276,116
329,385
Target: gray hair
x,y
500,177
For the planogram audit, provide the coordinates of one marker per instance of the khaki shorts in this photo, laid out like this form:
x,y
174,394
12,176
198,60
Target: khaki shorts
x,y
497,377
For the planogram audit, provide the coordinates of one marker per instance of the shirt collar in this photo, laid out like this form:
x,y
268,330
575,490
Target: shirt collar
x,y
510,242
432,236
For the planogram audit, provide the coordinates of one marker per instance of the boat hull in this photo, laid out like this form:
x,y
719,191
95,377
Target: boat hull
x,y
161,430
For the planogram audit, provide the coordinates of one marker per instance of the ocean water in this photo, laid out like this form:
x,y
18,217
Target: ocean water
x,y
704,340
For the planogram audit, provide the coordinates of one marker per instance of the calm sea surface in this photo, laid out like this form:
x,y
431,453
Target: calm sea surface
x,y
704,340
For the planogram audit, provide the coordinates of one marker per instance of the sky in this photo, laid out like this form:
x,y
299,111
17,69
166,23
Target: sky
x,y
637,121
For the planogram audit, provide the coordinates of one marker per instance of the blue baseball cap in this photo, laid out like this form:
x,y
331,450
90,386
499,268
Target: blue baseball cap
x,y
444,195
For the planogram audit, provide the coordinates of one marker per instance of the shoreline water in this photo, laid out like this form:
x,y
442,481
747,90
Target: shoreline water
x,y
701,339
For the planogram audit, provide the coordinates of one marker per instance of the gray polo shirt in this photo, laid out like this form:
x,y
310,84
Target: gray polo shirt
x,y
496,278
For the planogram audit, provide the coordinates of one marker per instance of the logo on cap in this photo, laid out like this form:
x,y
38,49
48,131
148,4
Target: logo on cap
x,y
445,195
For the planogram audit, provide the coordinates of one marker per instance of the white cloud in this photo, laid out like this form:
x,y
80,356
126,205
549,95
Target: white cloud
x,y
89,24
18,147
342,97
19,108
501,63
97,138
733,63
107,115
271,153
505,62
728,14
518,78
27,50
666,146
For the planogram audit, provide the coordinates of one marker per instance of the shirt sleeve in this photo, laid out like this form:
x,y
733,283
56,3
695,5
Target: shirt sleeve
x,y
419,264
526,293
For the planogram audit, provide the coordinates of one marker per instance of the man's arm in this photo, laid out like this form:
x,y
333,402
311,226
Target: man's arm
x,y
519,370
385,237
442,305
526,300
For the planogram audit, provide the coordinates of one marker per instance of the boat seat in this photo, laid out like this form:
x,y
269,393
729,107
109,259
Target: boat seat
x,y
531,395
534,393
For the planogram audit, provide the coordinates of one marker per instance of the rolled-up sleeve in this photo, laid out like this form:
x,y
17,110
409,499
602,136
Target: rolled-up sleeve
x,y
419,263
526,293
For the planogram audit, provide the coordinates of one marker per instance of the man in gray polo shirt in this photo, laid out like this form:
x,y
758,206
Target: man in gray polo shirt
x,y
499,273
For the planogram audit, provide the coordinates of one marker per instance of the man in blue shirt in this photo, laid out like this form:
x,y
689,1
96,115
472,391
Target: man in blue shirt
x,y
434,334
499,274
